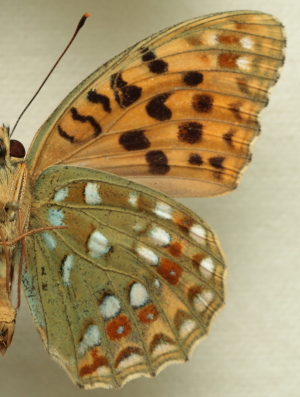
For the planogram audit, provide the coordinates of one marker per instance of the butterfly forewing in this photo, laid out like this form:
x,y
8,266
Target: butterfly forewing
x,y
178,111
133,280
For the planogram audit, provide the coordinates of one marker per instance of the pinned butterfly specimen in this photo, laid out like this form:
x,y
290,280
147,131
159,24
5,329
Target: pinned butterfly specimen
x,y
122,280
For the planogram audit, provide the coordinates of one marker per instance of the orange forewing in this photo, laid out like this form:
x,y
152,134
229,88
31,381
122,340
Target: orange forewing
x,y
177,112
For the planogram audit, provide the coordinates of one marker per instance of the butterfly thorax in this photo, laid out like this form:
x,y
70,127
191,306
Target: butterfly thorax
x,y
13,209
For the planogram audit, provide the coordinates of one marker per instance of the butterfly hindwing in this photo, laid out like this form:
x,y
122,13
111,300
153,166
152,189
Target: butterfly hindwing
x,y
128,286
178,111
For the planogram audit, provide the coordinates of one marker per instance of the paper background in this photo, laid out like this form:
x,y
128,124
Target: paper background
x,y
254,346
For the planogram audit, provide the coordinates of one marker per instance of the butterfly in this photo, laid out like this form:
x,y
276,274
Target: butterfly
x,y
122,280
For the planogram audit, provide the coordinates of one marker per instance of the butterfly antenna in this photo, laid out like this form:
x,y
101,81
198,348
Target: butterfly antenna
x,y
79,26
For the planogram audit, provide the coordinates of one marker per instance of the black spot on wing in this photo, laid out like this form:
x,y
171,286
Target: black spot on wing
x,y
158,162
202,103
190,132
94,97
195,159
227,137
157,109
125,94
86,119
192,79
217,162
134,140
147,55
117,81
158,66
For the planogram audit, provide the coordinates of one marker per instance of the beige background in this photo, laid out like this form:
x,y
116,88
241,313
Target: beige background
x,y
254,345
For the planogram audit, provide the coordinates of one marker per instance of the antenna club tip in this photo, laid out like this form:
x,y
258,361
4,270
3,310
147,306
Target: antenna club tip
x,y
81,22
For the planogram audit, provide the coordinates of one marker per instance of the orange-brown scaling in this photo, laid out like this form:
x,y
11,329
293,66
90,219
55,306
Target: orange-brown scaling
x,y
148,314
228,60
175,249
229,39
97,361
170,271
114,325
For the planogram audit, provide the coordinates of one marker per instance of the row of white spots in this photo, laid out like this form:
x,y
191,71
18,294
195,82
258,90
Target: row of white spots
x,y
98,245
138,295
91,193
160,237
147,255
110,307
202,300
67,267
91,338
246,41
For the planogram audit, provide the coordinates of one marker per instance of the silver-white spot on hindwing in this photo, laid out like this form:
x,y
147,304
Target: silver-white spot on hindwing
x,y
163,210
198,233
133,198
131,360
160,237
207,267
110,307
61,194
91,338
67,267
202,300
49,241
147,256
187,327
91,193
56,216
138,295
98,245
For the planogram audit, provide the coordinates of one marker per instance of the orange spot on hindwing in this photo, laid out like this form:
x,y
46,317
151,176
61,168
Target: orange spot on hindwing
x,y
118,327
170,271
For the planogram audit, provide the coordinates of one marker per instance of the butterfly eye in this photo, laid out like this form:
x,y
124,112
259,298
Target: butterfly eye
x,y
2,149
16,149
